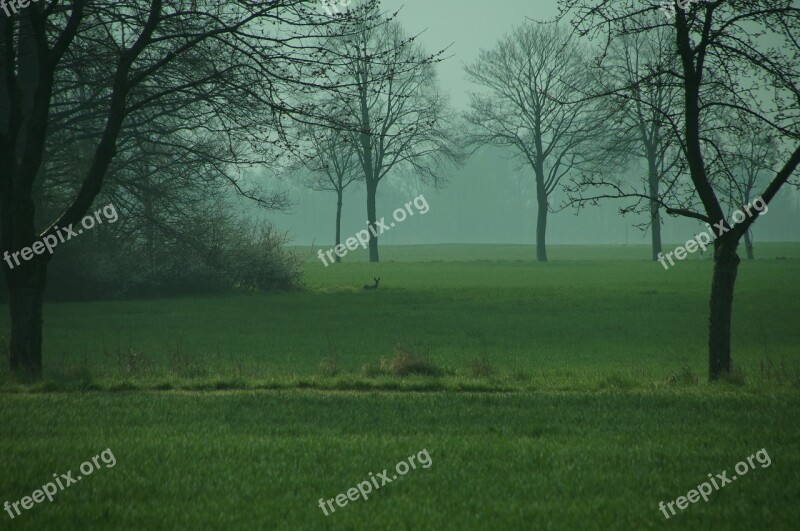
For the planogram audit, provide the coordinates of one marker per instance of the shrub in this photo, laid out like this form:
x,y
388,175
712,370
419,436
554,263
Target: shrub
x,y
211,253
262,263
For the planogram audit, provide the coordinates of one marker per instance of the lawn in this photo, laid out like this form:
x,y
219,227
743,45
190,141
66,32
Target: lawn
x,y
553,396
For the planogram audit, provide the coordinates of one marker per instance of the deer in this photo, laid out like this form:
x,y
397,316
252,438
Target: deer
x,y
376,279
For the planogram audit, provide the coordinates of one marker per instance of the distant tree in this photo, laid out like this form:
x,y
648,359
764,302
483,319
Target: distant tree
x,y
394,108
751,152
536,82
726,65
334,165
641,119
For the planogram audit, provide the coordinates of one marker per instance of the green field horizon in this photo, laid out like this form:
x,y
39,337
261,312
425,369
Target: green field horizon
x,y
559,395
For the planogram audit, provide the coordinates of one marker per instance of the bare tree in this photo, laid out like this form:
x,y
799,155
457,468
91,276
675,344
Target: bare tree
x,y
334,165
726,65
234,66
537,81
643,116
394,109
750,153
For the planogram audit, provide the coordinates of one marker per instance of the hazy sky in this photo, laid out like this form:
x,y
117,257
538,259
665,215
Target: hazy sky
x,y
469,25
490,199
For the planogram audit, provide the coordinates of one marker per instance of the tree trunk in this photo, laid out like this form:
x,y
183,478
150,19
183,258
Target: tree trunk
x,y
338,221
655,216
655,231
372,191
26,284
726,265
371,174
541,221
748,244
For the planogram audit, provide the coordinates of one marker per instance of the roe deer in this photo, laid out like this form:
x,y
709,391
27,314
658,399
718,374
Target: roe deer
x,y
378,279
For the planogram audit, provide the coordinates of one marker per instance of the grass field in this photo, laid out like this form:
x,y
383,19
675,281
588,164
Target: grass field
x,y
550,396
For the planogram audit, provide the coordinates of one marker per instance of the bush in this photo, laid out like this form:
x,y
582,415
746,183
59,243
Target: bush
x,y
210,255
262,263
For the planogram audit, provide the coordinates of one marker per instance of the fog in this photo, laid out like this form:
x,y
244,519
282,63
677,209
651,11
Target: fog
x,y
491,199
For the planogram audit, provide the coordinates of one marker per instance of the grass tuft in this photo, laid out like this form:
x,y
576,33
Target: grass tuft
x,y
132,362
617,382
329,367
480,367
735,377
685,376
405,363
185,363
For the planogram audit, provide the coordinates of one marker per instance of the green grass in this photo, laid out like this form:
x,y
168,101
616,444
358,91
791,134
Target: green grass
x,y
555,396
569,324
262,460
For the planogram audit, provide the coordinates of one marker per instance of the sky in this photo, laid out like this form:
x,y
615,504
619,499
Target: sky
x,y
491,199
467,26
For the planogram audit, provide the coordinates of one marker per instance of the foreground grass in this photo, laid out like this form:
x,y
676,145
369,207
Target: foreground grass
x,y
262,460
554,396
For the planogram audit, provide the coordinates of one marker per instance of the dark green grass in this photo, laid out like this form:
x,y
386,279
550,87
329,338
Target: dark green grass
x,y
262,460
556,396
564,325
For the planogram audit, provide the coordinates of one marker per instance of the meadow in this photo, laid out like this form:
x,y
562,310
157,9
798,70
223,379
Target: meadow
x,y
555,396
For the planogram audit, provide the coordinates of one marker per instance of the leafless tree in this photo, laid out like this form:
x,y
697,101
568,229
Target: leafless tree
x,y
641,119
394,108
536,82
334,165
750,151
726,65
230,69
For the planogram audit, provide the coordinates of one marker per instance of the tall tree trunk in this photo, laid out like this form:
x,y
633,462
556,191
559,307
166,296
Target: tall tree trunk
x,y
149,219
371,174
26,284
726,265
748,244
338,221
541,220
655,230
372,191
655,216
